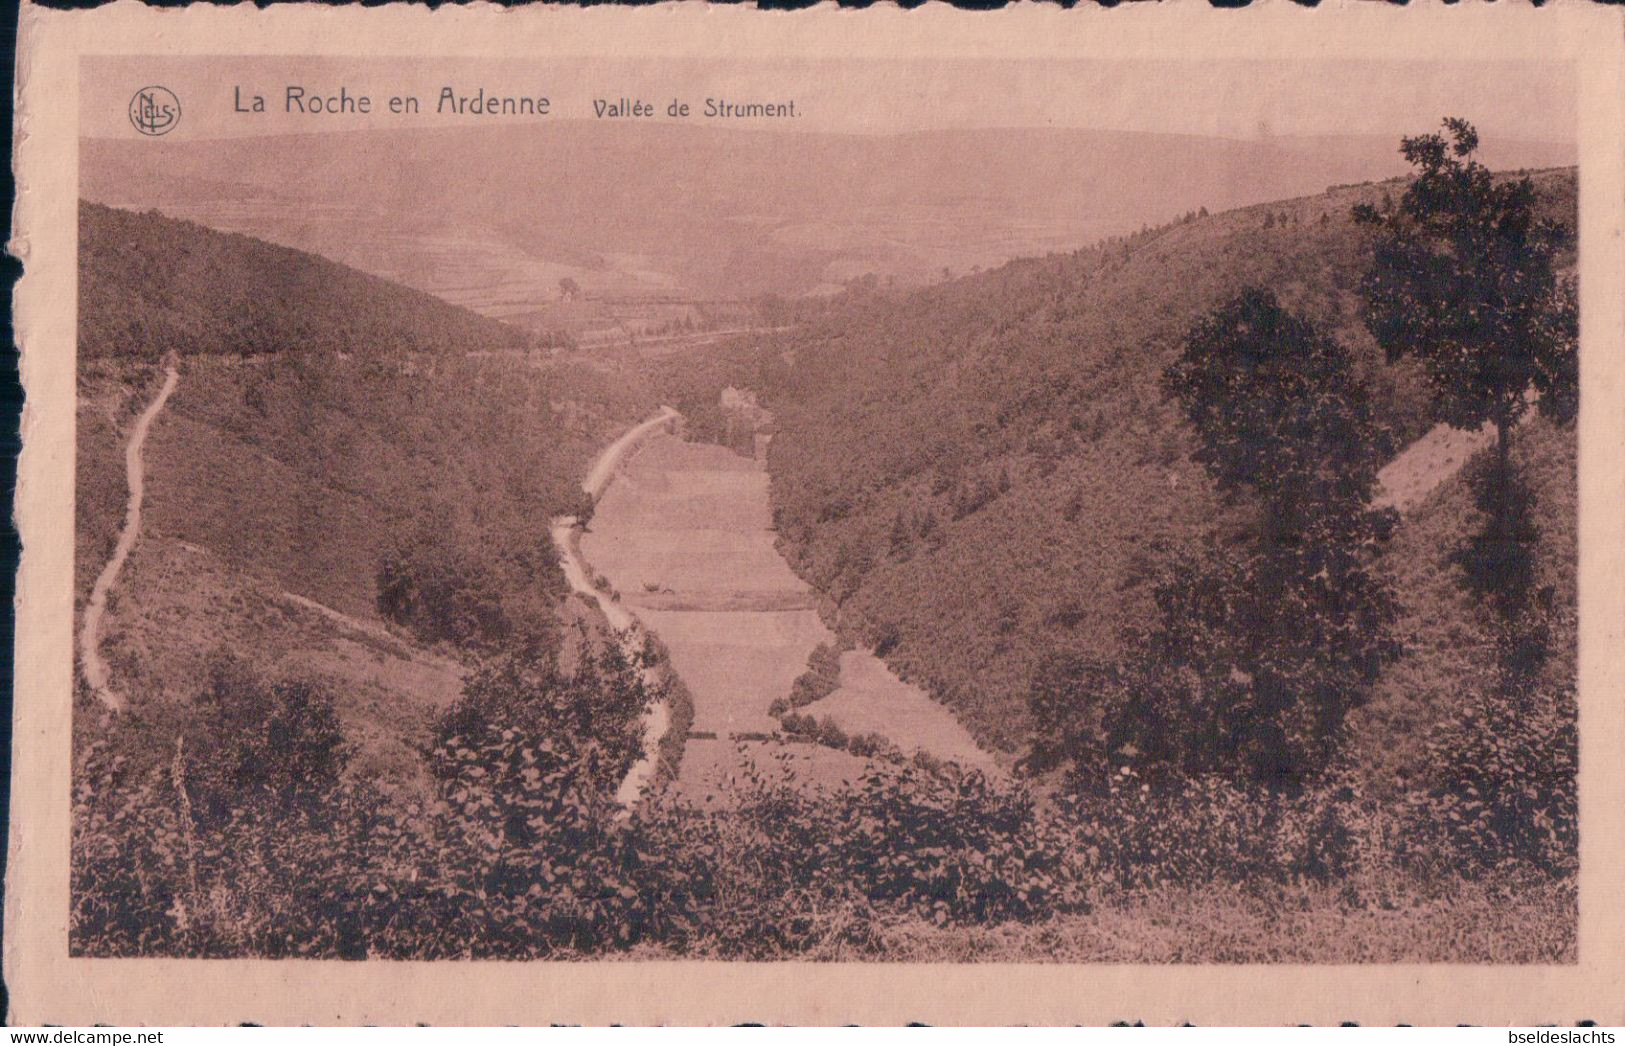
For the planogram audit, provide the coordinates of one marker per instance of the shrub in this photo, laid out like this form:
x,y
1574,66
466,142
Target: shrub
x,y
822,677
873,746
1277,640
590,721
797,725
831,734
520,856
258,743
1147,834
1503,782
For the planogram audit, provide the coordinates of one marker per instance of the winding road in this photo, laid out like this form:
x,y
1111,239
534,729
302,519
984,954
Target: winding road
x,y
603,469
566,531
95,668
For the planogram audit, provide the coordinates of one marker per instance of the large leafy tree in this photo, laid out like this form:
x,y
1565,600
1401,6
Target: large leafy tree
x,y
1282,636
1465,277
1261,646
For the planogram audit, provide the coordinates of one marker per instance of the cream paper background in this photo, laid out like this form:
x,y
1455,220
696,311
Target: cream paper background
x,y
47,986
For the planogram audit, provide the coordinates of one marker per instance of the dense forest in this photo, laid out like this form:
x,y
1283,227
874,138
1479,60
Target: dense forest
x,y
987,472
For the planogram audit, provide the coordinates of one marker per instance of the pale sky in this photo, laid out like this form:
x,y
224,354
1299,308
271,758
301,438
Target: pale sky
x,y
1235,99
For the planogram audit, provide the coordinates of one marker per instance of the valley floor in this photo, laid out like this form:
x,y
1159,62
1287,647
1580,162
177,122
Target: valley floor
x,y
683,533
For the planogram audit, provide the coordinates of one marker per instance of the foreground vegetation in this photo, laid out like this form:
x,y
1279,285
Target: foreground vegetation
x,y
235,830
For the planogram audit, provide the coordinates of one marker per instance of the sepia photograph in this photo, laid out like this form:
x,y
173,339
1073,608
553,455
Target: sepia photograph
x,y
822,511
1041,542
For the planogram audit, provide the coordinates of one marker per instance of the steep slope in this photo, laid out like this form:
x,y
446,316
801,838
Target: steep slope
x,y
150,285
984,472
365,502
1449,648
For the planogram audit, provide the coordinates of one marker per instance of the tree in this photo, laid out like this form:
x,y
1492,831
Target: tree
x,y
1278,412
569,289
1261,647
1275,641
1464,278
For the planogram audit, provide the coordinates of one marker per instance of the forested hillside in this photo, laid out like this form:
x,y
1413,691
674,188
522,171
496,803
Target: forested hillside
x,y
985,472
150,285
332,437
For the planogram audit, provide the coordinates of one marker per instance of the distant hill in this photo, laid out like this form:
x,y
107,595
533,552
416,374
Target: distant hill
x,y
493,217
983,472
150,285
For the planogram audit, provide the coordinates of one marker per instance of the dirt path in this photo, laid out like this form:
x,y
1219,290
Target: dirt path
x,y
603,469
95,669
566,534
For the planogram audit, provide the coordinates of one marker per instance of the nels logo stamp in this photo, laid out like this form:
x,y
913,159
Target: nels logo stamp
x,y
155,110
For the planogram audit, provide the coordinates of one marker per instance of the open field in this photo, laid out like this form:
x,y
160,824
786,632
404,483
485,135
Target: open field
x,y
871,700
683,533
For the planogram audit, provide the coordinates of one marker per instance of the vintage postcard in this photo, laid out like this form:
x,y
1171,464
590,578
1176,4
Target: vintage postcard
x,y
701,515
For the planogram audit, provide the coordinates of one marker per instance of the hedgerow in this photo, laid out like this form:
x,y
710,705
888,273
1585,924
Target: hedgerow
x,y
519,852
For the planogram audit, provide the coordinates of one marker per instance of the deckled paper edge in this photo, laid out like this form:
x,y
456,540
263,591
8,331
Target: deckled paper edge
x,y
47,986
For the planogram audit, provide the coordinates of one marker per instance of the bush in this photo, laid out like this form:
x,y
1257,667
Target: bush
x,y
215,849
1503,787
520,856
1148,834
258,743
449,583
830,733
821,679
536,866
589,722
